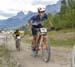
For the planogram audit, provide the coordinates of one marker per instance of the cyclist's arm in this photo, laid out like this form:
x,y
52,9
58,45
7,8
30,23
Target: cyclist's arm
x,y
50,25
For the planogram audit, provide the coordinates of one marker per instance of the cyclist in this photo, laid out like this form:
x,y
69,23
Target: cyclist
x,y
18,33
36,22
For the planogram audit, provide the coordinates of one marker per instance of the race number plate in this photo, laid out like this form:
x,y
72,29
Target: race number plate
x,y
43,30
18,37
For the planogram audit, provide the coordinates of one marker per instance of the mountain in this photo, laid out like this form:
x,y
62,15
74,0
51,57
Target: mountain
x,y
29,15
20,15
55,8
21,19
14,21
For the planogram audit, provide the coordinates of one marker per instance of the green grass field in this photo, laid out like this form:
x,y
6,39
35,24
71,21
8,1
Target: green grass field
x,y
62,38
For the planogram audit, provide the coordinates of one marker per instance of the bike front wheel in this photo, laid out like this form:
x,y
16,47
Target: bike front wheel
x,y
18,45
46,52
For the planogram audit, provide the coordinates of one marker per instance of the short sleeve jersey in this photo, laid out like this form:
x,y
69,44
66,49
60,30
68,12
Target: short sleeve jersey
x,y
37,20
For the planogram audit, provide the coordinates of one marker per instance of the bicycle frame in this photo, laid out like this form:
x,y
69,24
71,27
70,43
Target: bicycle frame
x,y
40,38
18,40
42,43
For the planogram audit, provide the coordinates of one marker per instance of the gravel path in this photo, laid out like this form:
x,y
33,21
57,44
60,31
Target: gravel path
x,y
60,57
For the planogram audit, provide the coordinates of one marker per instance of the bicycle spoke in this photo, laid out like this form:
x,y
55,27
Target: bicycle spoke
x,y
46,50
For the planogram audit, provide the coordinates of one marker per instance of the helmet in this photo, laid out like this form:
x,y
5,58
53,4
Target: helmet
x,y
41,9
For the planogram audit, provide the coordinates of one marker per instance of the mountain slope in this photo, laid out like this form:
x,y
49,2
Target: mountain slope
x,y
55,8
21,19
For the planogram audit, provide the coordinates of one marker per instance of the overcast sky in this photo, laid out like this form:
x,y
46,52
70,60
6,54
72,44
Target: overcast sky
x,y
10,8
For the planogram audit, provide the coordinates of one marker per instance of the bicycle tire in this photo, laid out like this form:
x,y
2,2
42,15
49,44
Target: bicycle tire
x,y
18,45
46,51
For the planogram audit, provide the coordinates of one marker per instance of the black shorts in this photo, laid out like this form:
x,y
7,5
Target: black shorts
x,y
34,27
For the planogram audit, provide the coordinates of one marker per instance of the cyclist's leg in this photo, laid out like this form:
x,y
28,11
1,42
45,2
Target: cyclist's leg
x,y
34,33
39,26
38,37
35,37
34,42
16,41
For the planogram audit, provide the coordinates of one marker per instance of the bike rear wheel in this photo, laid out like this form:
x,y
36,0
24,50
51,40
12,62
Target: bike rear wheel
x,y
18,44
46,49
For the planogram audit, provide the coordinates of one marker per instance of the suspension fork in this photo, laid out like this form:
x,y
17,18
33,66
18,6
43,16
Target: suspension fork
x,y
38,38
43,41
37,41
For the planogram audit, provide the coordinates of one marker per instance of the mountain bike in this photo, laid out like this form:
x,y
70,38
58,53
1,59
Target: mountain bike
x,y
18,42
43,44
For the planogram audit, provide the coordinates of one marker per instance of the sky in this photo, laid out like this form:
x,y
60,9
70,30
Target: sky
x,y
10,8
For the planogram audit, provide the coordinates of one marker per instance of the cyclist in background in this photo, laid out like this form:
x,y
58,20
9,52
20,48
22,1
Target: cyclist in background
x,y
18,33
36,22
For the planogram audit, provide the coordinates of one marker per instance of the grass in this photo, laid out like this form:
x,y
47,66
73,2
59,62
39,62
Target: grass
x,y
27,39
3,51
5,58
62,38
3,54
62,43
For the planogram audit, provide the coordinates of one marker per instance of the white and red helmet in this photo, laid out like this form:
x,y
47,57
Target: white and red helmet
x,y
41,9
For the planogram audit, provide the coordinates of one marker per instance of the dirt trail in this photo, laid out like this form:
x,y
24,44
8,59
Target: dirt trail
x,y
60,57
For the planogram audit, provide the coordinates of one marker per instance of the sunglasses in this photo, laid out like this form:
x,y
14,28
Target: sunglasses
x,y
41,11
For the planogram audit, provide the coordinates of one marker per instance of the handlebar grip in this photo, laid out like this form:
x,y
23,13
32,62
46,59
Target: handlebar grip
x,y
52,28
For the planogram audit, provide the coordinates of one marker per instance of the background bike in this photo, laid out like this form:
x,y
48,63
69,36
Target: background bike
x,y
18,42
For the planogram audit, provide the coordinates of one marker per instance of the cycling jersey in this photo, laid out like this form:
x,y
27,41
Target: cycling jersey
x,y
19,33
36,23
36,20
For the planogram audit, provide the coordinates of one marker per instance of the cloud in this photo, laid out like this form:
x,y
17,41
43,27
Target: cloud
x,y
23,5
13,6
6,14
37,2
3,17
45,2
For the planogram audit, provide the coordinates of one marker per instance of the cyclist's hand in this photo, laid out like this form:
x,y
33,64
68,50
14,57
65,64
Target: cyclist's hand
x,y
52,28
